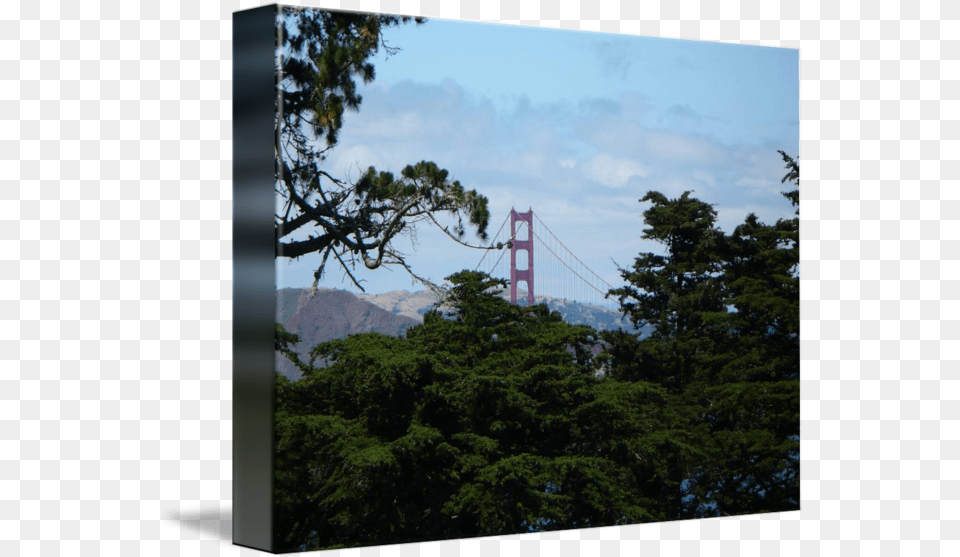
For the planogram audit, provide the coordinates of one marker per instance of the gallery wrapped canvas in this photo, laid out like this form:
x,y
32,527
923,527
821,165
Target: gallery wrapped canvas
x,y
497,280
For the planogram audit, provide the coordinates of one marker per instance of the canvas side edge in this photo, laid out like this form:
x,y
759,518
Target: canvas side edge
x,y
254,298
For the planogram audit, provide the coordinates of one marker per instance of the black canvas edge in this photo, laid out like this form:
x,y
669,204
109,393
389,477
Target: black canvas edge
x,y
254,287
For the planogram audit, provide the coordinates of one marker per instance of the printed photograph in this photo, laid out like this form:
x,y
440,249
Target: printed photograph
x,y
529,280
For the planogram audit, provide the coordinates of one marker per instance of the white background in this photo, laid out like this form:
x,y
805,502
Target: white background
x,y
115,276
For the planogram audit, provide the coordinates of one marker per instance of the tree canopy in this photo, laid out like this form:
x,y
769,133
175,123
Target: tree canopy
x,y
487,419
322,55
725,312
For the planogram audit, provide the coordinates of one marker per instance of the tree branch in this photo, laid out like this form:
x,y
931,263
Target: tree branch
x,y
347,270
286,227
296,249
446,231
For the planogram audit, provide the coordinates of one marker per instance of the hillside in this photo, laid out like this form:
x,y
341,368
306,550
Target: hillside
x,y
401,302
415,304
332,314
329,315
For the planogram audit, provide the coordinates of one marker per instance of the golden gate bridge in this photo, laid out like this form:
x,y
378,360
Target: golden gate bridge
x,y
541,266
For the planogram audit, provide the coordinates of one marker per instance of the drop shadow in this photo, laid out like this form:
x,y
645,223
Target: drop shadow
x,y
214,522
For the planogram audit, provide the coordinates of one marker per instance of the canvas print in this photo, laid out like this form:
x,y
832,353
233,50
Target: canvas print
x,y
528,280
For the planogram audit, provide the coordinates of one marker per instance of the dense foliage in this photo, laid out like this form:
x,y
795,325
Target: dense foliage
x,y
487,420
726,346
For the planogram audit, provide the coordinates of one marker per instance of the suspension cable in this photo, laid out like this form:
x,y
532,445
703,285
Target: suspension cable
x,y
585,281
495,236
547,228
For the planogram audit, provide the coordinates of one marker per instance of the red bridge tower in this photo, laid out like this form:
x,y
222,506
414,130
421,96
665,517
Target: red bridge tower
x,y
522,242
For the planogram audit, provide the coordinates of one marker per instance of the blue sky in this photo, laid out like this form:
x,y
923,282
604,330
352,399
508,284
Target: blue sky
x,y
578,126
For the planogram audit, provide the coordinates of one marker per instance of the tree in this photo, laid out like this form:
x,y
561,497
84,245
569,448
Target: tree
x,y
755,396
487,419
725,312
792,176
679,294
322,54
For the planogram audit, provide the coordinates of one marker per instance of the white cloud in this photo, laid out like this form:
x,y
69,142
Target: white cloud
x,y
551,158
612,171
686,149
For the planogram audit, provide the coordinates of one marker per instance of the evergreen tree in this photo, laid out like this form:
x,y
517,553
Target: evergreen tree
x,y
679,293
755,397
487,419
323,53
725,312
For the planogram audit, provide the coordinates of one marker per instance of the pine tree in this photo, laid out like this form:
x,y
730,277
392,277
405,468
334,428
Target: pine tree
x,y
323,53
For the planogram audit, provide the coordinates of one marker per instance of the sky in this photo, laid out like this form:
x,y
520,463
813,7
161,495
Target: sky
x,y
577,126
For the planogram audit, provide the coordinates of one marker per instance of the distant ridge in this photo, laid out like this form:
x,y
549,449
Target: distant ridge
x,y
415,304
328,315
401,302
332,314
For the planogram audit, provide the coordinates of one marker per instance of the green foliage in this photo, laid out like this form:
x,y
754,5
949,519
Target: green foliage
x,y
792,176
725,312
323,55
487,419
755,394
680,292
325,52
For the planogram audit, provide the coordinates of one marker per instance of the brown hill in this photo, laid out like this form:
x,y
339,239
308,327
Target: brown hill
x,y
401,302
415,304
329,315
